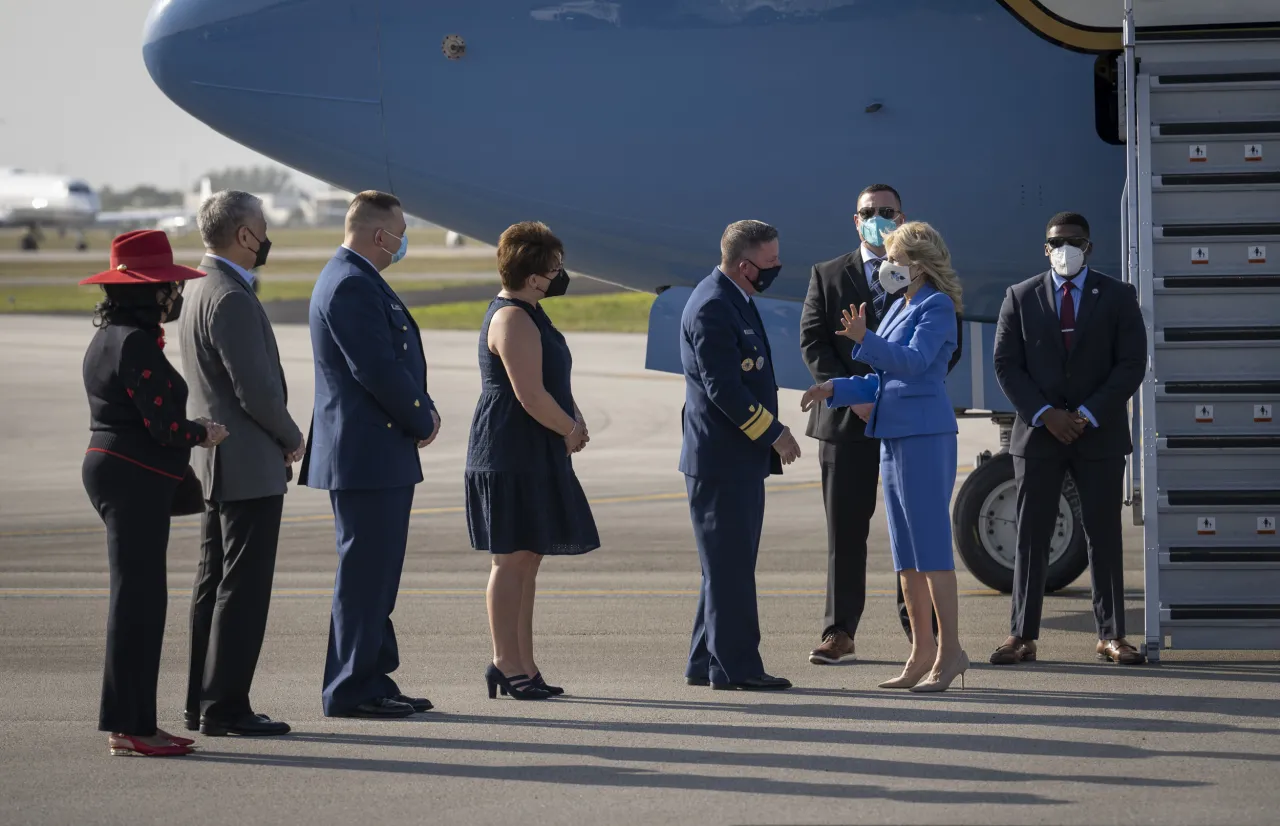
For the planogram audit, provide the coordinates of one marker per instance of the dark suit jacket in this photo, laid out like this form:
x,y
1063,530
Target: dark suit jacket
x,y
731,396
833,286
1104,369
371,403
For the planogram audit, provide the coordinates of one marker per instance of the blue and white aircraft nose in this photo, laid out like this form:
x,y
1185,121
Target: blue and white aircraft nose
x,y
296,79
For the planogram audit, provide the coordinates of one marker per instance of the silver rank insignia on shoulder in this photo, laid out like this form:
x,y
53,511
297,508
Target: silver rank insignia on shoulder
x,y
760,363
747,364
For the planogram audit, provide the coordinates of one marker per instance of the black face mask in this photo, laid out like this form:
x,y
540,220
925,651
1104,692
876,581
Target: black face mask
x,y
558,286
176,310
264,249
766,277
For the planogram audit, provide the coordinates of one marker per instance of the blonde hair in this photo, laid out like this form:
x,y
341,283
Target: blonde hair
x,y
922,245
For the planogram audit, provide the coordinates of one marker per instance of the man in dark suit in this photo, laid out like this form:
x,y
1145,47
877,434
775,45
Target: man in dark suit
x,y
1071,350
371,415
231,362
732,442
850,460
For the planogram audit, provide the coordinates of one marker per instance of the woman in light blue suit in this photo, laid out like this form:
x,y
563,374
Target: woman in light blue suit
x,y
905,405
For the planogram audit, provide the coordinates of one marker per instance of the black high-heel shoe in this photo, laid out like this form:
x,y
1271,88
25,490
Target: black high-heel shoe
x,y
519,687
553,690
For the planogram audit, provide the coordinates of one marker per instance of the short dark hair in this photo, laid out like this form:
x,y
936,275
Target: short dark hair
x,y
881,188
740,237
525,249
1068,219
371,207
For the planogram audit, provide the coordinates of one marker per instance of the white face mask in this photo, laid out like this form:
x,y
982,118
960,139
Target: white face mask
x,y
1066,260
894,278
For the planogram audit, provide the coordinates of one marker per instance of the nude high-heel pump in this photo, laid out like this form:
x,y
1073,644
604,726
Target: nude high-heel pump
x,y
941,681
908,678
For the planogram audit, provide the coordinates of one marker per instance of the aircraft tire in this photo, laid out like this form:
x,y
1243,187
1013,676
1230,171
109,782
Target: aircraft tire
x,y
983,524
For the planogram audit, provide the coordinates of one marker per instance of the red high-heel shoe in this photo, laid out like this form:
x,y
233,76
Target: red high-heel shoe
x,y
177,741
122,745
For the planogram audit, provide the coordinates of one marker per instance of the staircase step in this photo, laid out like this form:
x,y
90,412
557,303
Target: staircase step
x,y
1247,356
1172,155
1247,197
1234,300
1223,463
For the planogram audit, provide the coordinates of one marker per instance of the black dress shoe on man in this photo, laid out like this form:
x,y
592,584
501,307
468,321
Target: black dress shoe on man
x,y
250,725
383,708
191,720
764,682
420,704
697,681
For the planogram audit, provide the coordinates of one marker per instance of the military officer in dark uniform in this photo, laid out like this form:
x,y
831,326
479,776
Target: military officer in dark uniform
x,y
732,441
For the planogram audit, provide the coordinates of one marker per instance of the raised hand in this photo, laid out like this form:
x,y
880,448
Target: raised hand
x,y
854,322
815,394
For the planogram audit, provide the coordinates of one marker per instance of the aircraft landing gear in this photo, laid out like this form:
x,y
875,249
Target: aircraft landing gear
x,y
82,243
984,522
31,240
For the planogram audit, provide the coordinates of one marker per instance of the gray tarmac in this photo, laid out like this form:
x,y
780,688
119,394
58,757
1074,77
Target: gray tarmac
x,y
1192,740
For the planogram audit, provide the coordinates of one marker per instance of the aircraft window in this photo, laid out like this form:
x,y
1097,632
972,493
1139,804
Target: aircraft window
x,y
79,188
1106,97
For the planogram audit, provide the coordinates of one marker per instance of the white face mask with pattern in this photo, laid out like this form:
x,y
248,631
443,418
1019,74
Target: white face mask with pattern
x,y
894,278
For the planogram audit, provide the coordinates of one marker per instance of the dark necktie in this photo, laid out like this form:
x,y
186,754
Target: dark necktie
x,y
878,296
1067,317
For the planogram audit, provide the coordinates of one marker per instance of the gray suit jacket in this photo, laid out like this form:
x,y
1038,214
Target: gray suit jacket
x,y
230,361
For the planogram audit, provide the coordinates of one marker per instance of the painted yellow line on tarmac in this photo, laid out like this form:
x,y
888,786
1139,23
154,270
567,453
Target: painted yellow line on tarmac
x,y
328,517
52,593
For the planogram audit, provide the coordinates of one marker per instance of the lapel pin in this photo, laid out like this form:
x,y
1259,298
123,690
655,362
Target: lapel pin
x,y
1095,290
760,363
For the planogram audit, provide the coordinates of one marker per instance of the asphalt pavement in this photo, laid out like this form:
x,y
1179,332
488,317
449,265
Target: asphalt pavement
x,y
1068,740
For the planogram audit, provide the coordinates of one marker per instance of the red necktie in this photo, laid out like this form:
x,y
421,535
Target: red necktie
x,y
1067,317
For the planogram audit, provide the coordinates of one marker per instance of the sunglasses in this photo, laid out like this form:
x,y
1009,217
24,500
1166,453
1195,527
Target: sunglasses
x,y
1075,241
867,213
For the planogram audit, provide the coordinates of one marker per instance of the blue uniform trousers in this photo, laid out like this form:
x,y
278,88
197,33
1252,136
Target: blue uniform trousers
x,y
727,517
372,527
918,475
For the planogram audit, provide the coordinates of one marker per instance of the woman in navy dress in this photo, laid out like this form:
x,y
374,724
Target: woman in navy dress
x,y
523,499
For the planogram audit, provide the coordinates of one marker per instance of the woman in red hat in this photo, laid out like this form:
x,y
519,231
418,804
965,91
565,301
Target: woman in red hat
x,y
139,449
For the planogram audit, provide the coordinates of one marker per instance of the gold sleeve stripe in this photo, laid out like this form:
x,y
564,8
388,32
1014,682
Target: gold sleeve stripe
x,y
759,424
759,409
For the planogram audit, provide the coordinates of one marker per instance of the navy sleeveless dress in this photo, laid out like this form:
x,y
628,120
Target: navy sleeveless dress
x,y
522,494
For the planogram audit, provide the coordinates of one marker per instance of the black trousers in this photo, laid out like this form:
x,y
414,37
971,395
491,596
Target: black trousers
x,y
1101,487
850,475
230,602
134,504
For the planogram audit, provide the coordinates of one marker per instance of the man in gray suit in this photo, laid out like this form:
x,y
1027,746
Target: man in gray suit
x,y
230,361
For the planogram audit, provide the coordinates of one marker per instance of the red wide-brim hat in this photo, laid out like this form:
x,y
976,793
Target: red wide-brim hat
x,y
143,257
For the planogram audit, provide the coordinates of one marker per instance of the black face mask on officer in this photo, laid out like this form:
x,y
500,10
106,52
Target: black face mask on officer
x,y
557,286
766,276
264,249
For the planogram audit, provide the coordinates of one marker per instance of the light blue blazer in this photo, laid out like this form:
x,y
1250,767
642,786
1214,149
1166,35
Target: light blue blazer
x,y
909,354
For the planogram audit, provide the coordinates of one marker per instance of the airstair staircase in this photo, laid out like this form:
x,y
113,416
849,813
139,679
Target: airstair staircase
x,y
1201,119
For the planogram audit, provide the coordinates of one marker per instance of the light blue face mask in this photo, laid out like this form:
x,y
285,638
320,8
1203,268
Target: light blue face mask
x,y
874,229
404,247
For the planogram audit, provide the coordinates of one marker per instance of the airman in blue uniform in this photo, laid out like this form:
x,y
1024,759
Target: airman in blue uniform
x,y
732,442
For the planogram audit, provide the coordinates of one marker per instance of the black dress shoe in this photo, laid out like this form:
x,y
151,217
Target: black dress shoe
x,y
191,720
697,681
250,725
762,683
420,704
382,708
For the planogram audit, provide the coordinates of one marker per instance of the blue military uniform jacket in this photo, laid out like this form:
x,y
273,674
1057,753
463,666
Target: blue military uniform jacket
x,y
371,401
731,395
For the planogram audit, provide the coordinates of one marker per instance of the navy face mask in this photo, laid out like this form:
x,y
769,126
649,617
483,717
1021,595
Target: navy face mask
x,y
766,276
